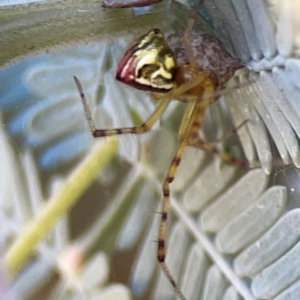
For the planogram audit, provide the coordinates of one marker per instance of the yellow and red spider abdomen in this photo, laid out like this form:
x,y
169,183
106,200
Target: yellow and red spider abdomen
x,y
148,64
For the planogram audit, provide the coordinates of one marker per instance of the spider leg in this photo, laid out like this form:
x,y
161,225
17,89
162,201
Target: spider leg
x,y
146,126
164,215
188,130
114,131
199,143
233,131
187,32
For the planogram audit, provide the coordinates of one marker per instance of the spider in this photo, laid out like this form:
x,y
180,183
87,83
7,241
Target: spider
x,y
172,70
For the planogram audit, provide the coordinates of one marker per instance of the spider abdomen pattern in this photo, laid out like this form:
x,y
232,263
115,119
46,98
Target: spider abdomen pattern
x,y
148,64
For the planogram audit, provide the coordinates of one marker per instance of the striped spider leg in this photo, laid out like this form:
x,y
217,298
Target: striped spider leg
x,y
173,70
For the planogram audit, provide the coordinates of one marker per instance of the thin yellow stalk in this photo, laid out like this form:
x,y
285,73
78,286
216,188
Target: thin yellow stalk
x,y
58,205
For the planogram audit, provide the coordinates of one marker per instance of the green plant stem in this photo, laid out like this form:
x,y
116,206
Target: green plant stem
x,y
59,204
